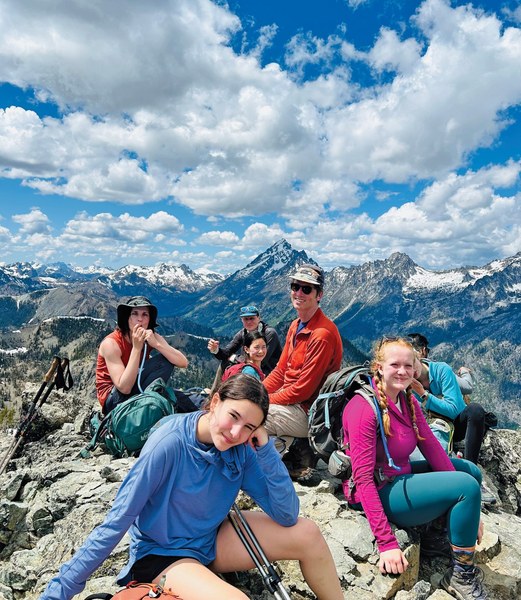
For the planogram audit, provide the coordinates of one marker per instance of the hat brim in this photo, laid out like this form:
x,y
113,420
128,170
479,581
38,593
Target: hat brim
x,y
305,278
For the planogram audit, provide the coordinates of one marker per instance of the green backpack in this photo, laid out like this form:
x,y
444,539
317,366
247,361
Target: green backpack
x,y
125,429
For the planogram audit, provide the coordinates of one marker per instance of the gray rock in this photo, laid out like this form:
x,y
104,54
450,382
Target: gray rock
x,y
51,499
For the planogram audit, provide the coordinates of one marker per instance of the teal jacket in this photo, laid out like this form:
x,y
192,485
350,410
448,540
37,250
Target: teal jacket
x,y
444,397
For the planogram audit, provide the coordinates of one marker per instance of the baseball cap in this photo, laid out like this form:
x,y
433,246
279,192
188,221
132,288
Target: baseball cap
x,y
249,311
310,274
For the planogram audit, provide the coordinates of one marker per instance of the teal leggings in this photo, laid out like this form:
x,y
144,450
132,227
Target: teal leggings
x,y
424,495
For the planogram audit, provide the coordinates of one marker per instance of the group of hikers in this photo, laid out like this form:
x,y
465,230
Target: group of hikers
x,y
252,435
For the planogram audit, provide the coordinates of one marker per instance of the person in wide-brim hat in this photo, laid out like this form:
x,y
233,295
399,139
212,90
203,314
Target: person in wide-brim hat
x,y
125,308
124,367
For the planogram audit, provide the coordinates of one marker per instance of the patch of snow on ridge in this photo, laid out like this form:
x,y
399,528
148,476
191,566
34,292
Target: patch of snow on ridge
x,y
50,319
431,280
21,350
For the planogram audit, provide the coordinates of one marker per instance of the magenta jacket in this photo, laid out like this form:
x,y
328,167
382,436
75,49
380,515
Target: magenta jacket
x,y
367,454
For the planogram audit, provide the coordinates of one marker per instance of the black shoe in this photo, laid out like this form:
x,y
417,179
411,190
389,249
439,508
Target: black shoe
x,y
434,542
305,476
465,585
300,454
300,462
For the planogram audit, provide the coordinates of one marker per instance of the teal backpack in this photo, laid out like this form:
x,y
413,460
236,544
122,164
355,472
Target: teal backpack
x,y
125,429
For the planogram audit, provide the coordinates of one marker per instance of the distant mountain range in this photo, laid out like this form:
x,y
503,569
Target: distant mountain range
x,y
471,314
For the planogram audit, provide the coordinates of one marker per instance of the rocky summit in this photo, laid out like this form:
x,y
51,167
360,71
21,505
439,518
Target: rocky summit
x,y
51,499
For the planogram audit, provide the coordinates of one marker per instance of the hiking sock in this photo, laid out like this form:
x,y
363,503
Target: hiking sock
x,y
463,558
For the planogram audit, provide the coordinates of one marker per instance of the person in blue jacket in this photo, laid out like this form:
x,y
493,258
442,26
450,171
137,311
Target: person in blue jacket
x,y
176,497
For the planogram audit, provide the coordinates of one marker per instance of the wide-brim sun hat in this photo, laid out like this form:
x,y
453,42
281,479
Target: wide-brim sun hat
x,y
125,308
309,274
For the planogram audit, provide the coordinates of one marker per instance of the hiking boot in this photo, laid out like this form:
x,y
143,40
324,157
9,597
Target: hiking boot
x,y
465,584
487,497
434,542
305,476
300,462
300,454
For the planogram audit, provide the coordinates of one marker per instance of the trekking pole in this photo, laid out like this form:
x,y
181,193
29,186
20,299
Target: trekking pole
x,y
269,571
56,371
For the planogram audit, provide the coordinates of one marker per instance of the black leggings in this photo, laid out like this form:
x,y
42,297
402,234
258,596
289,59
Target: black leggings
x,y
157,366
470,425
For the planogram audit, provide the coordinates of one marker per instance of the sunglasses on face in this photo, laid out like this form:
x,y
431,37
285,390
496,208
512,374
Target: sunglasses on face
x,y
306,289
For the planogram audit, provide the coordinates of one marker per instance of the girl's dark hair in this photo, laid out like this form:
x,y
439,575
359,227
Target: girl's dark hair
x,y
244,387
251,336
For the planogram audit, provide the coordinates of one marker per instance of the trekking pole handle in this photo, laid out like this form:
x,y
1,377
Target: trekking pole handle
x,y
54,365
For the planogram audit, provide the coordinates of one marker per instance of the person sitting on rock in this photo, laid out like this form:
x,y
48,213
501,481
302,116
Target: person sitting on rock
x,y
176,497
410,494
439,392
254,350
312,351
124,367
251,321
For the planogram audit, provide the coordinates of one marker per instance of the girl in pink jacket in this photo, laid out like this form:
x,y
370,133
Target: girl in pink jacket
x,y
410,494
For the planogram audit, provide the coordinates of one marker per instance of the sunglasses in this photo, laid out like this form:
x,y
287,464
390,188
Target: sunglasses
x,y
249,309
306,289
398,338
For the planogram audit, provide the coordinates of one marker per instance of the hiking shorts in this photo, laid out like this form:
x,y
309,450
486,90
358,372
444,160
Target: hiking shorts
x,y
146,569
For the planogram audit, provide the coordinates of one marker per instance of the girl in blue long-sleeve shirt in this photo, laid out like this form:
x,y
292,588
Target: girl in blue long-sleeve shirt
x,y
175,500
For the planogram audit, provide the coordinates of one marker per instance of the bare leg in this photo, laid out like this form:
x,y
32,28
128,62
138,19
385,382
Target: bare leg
x,y
191,580
303,542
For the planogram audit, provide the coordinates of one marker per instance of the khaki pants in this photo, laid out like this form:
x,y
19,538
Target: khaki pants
x,y
286,422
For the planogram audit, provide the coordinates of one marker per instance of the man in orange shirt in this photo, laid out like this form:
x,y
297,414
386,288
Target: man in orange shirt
x,y
312,351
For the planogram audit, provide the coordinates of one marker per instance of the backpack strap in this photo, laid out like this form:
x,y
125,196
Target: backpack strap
x,y
63,378
85,452
390,460
368,393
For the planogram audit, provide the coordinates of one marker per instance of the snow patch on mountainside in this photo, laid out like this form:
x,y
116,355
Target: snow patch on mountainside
x,y
82,317
269,262
430,280
179,277
13,351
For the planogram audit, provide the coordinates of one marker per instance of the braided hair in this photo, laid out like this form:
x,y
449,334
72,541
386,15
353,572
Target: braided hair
x,y
383,401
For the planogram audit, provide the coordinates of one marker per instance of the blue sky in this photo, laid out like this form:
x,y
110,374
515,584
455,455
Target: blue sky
x,y
198,132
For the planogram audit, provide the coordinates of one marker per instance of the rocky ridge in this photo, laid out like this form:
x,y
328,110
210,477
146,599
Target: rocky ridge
x,y
50,499
469,314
